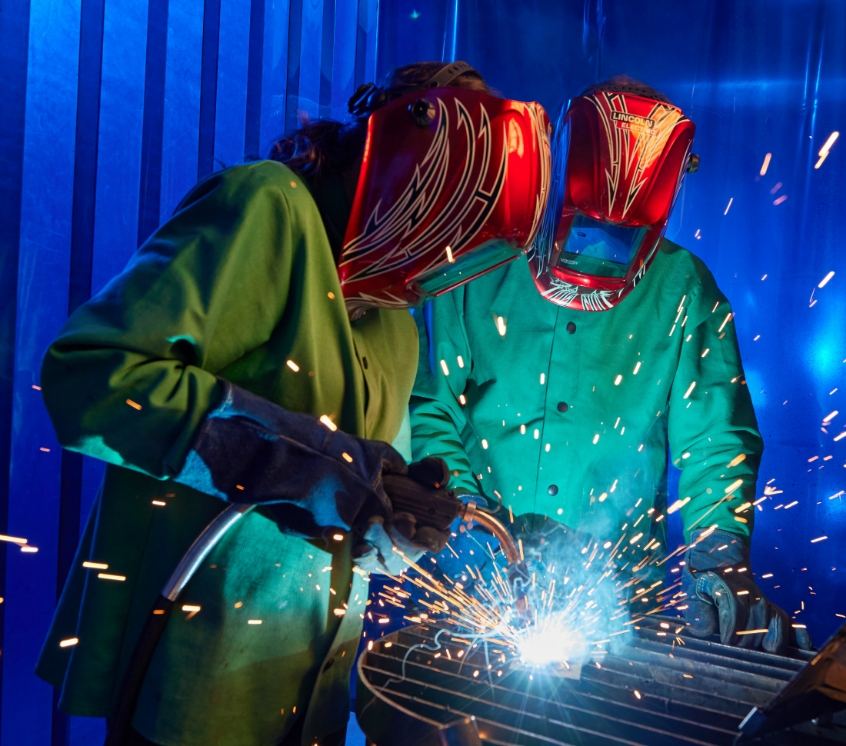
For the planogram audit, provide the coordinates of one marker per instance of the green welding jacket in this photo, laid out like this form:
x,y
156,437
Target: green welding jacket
x,y
239,284
570,413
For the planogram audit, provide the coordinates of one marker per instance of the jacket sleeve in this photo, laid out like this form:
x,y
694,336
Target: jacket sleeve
x,y
713,432
444,365
132,374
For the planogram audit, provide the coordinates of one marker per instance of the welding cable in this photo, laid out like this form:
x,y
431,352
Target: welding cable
x,y
120,723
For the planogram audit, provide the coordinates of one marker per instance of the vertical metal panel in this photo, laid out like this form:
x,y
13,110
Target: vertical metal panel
x,y
208,88
343,62
292,88
311,44
233,57
180,139
255,73
275,76
327,52
367,41
153,121
14,33
43,281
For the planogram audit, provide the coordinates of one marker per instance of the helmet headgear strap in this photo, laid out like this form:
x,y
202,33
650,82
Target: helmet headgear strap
x,y
369,97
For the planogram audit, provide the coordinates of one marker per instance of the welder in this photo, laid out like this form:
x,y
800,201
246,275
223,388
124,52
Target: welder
x,y
555,385
258,349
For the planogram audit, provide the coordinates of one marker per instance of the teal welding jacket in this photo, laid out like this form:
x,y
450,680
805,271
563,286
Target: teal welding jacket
x,y
570,413
239,284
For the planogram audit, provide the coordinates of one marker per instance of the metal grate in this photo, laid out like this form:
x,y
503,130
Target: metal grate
x,y
652,691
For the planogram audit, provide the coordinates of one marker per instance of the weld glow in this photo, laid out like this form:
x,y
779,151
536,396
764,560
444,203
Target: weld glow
x,y
552,643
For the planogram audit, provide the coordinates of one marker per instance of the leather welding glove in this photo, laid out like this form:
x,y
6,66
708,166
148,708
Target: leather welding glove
x,y
723,597
310,476
389,547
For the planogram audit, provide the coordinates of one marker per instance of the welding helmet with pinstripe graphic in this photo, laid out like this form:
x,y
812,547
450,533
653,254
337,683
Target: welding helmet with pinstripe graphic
x,y
454,182
620,152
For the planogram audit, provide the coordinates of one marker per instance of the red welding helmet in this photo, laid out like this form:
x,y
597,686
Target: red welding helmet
x,y
453,183
618,161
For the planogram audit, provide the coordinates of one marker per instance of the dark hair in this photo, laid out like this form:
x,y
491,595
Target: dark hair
x,y
325,142
627,84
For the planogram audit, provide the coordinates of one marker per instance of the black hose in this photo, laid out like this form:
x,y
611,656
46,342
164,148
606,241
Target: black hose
x,y
121,721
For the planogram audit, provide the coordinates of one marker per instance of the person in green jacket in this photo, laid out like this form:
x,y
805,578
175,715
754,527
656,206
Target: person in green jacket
x,y
556,385
258,349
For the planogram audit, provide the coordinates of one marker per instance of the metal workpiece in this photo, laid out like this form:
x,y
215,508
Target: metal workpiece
x,y
658,689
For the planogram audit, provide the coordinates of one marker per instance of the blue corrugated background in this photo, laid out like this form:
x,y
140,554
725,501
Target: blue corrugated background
x,y
112,109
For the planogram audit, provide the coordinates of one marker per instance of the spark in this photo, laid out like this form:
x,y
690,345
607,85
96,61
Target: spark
x,y
500,326
823,154
338,537
728,206
347,457
484,444
829,417
450,257
766,164
460,361
444,367
689,390
69,642
725,321
819,538
293,366
825,281
95,565
331,295
326,421
753,632
159,502
12,539
617,380
254,621
107,576
733,486
781,199
133,404
29,549
636,368
542,379
736,460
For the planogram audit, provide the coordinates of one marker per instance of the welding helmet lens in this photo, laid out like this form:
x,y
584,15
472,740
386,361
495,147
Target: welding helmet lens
x,y
599,249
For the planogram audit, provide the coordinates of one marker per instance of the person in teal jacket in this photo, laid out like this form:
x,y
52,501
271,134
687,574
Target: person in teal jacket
x,y
556,385
224,365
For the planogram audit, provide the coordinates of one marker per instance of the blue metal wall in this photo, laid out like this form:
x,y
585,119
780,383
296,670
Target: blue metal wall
x,y
112,109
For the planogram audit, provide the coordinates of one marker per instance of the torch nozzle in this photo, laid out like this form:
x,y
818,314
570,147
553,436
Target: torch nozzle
x,y
506,541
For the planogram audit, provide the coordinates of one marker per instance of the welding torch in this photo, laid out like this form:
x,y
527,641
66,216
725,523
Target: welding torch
x,y
437,507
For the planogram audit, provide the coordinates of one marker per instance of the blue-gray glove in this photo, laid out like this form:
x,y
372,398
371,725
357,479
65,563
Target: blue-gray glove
x,y
723,597
308,476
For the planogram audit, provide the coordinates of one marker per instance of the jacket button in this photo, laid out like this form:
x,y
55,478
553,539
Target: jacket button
x,y
328,664
571,327
553,489
563,406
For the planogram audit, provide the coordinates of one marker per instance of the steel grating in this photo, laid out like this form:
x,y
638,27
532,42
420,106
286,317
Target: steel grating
x,y
653,691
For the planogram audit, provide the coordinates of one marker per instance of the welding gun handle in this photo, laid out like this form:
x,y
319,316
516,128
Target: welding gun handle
x,y
431,506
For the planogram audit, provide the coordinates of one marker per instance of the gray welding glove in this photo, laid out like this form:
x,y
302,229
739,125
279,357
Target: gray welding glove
x,y
386,550
307,475
723,597
389,547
